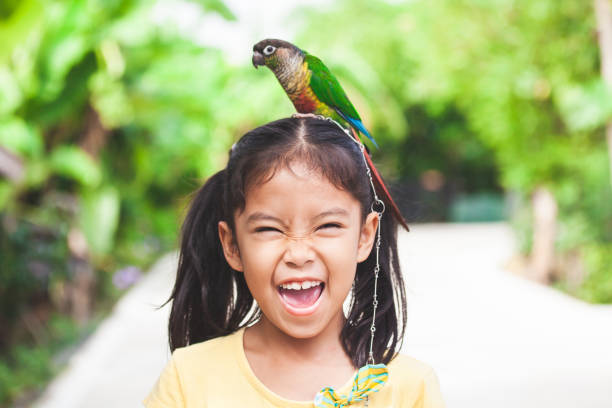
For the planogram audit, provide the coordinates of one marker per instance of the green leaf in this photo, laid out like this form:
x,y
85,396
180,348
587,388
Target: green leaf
x,y
6,193
15,30
65,54
99,217
218,7
110,100
73,162
585,106
20,137
10,94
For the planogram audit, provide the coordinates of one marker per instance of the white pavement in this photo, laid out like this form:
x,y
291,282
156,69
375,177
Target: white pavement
x,y
495,340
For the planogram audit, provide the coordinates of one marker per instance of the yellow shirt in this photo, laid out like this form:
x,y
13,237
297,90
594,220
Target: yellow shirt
x,y
216,373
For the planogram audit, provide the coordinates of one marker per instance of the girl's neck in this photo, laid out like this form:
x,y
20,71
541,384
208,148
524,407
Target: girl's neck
x,y
280,361
325,347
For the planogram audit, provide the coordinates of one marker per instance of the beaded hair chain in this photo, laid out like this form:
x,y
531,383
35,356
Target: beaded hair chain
x,y
371,377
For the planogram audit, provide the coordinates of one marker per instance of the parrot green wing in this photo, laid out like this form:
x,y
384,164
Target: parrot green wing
x,y
327,89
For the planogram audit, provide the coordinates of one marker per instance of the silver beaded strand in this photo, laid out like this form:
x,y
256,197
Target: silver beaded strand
x,y
377,202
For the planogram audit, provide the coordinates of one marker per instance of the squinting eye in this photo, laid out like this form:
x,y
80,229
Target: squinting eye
x,y
264,229
329,225
269,49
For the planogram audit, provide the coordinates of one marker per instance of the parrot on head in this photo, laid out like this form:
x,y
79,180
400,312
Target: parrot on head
x,y
313,89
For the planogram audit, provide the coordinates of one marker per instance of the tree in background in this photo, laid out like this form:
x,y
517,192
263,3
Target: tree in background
x,y
109,117
518,80
603,12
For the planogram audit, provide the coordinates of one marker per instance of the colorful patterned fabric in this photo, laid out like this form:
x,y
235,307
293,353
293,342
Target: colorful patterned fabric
x,y
369,379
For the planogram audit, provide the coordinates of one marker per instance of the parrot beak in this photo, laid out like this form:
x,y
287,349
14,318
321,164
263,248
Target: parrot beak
x,y
258,59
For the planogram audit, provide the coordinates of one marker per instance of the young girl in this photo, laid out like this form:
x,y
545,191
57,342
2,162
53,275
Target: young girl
x,y
272,248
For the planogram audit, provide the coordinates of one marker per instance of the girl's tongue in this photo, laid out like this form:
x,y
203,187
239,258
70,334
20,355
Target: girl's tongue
x,y
301,297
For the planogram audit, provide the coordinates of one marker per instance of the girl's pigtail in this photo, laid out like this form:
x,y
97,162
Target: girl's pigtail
x,y
210,299
391,310
392,317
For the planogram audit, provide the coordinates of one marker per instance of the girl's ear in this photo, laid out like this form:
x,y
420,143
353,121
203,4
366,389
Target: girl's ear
x,y
230,249
367,236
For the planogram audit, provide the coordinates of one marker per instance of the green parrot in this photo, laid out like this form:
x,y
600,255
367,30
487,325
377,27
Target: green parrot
x,y
313,89
308,82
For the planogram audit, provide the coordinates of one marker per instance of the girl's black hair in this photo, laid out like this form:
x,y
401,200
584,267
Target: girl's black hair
x,y
210,299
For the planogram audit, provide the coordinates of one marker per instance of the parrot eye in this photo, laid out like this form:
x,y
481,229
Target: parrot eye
x,y
269,49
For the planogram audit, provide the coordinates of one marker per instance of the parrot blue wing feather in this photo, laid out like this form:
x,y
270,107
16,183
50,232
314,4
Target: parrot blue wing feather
x,y
357,124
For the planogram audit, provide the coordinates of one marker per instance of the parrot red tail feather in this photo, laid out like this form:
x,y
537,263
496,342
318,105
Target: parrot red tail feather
x,y
379,184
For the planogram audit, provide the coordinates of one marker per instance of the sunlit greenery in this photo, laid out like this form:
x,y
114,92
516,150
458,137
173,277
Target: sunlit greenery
x,y
110,117
506,92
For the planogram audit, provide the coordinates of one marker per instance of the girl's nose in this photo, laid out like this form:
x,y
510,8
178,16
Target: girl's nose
x,y
298,252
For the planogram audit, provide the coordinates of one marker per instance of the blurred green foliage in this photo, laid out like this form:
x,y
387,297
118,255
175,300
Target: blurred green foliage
x,y
110,116
500,93
27,368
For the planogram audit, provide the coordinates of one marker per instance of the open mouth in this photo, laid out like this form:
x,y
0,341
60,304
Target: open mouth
x,y
301,297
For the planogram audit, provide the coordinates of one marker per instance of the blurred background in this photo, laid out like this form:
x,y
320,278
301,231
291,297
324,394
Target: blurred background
x,y
493,122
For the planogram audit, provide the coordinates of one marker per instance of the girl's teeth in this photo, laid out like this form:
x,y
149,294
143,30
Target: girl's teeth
x,y
300,285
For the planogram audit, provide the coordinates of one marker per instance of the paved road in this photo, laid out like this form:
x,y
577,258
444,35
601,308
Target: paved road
x,y
495,340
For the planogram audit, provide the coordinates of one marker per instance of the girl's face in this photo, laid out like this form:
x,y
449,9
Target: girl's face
x,y
299,240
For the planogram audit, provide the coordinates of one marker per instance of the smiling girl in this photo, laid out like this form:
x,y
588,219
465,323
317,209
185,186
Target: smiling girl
x,y
272,247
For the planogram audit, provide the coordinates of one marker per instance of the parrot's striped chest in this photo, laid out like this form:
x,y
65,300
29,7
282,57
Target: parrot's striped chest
x,y
297,87
304,101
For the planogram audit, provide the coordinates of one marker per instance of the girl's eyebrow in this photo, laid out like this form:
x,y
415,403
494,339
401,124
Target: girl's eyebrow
x,y
258,215
333,211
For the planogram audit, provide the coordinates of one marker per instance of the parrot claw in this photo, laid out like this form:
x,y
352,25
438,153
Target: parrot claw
x,y
305,115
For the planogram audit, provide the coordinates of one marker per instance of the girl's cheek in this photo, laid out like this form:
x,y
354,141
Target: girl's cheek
x,y
263,254
340,247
